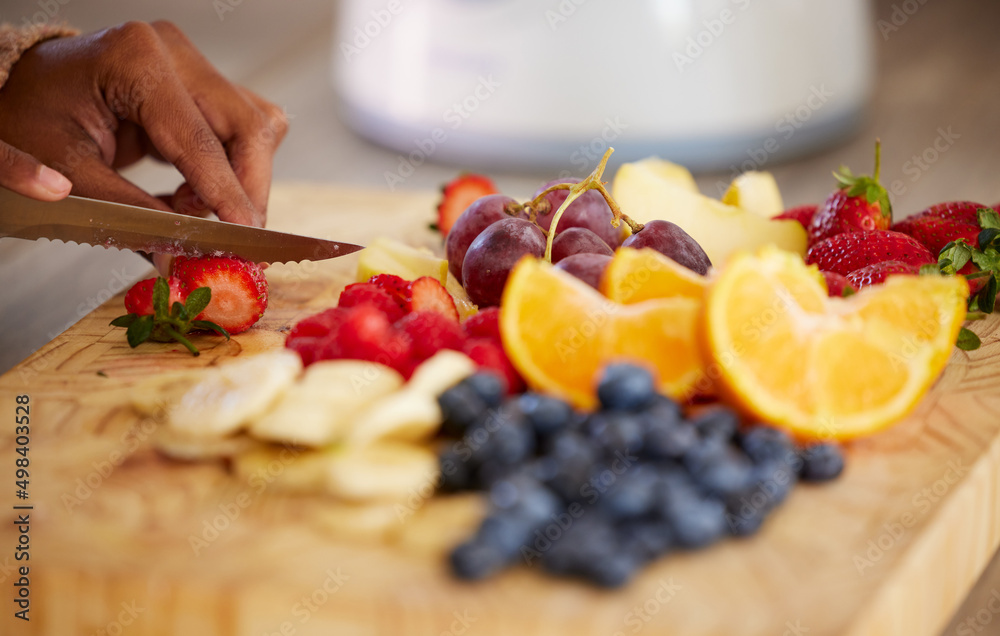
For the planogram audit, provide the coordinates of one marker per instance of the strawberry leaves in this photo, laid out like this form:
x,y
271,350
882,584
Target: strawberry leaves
x,y
986,257
169,323
868,187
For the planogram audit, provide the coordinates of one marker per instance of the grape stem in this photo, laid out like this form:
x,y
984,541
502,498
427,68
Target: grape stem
x,y
592,182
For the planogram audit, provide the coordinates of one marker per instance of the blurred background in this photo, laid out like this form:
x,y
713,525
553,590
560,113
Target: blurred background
x,y
393,95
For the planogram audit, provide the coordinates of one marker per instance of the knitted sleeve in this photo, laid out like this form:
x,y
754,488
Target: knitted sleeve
x,y
14,41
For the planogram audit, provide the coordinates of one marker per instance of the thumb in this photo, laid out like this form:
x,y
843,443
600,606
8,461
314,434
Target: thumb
x,y
25,175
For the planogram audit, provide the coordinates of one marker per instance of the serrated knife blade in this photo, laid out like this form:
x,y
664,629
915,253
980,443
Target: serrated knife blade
x,y
105,224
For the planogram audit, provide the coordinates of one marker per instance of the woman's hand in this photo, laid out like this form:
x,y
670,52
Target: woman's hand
x,y
91,104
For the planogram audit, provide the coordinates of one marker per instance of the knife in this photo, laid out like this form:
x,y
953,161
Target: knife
x,y
82,220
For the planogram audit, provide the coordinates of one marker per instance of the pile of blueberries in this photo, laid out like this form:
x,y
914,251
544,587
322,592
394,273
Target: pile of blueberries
x,y
597,495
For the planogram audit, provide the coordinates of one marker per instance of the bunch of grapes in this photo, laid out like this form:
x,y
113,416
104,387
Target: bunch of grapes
x,y
495,232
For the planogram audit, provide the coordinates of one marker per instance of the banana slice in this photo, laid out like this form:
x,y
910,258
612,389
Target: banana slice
x,y
412,413
440,372
323,405
441,523
231,395
284,469
403,416
177,445
152,396
363,522
384,472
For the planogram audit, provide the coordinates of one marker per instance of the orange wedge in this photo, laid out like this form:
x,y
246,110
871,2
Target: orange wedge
x,y
560,333
635,275
827,367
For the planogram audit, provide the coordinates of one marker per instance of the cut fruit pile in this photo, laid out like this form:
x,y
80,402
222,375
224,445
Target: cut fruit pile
x,y
716,348
400,324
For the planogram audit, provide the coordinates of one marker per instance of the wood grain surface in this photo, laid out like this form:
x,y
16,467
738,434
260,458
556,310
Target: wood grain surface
x,y
892,547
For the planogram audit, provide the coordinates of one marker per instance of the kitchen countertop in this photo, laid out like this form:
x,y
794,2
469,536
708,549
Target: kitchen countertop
x,y
939,77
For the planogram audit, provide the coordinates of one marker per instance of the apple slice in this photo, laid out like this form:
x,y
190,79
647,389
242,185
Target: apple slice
x,y
755,192
720,229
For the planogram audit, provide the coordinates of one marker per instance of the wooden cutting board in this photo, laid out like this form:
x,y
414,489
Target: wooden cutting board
x,y
890,548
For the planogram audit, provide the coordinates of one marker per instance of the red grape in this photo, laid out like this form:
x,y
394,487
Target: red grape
x,y
483,212
670,240
589,211
493,253
577,240
587,267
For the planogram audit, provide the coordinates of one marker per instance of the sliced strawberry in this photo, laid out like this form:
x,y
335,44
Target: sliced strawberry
x,y
139,299
427,294
484,324
318,325
308,348
366,334
396,287
489,356
877,273
369,294
803,214
838,285
239,289
458,194
847,252
431,332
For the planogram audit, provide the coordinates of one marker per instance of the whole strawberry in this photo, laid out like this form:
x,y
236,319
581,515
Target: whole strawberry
x,y
877,273
803,214
845,253
861,204
943,223
838,285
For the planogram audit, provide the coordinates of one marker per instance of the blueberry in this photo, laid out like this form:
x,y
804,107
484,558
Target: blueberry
x,y
522,496
574,456
720,422
616,433
729,475
548,415
460,408
647,539
474,560
625,387
505,533
696,522
663,439
743,519
632,495
774,478
456,473
503,435
585,540
821,462
488,386
703,453
763,443
614,570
